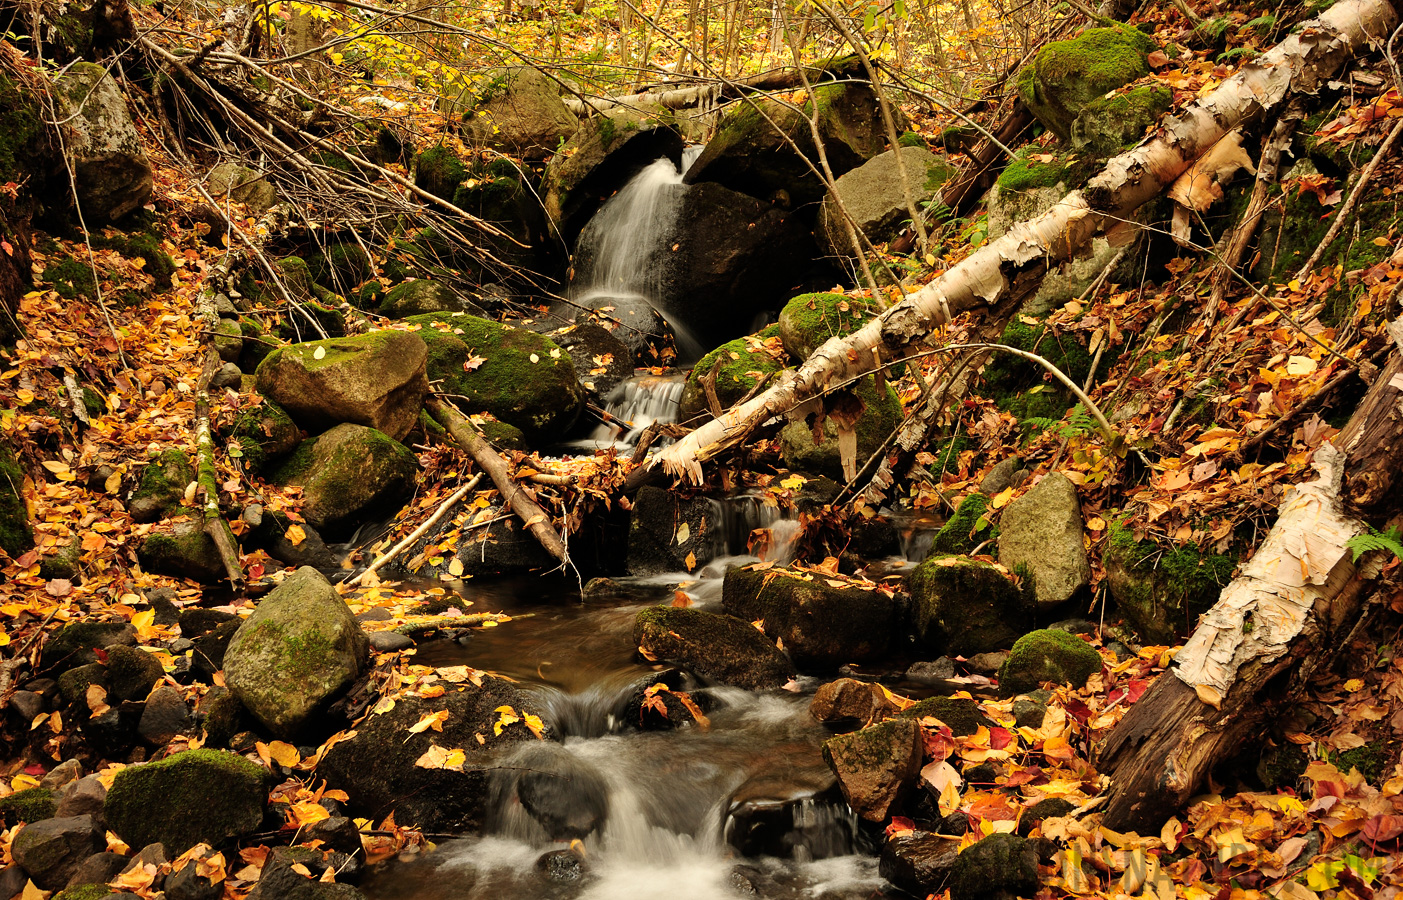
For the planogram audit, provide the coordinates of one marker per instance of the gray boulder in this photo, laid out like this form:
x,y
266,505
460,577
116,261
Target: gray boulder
x,y
820,625
717,647
51,850
164,716
110,168
377,380
1042,531
346,474
298,651
243,185
184,550
517,110
872,195
1061,283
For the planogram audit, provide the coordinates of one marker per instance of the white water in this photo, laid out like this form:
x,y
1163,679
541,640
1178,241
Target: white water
x,y
634,405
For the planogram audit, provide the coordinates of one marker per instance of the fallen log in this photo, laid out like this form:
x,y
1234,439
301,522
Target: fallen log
x,y
995,278
207,492
673,97
1296,604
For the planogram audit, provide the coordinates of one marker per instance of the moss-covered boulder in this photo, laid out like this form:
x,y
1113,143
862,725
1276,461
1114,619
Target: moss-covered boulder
x,y
299,650
872,194
821,625
75,642
376,766
1107,124
810,319
960,606
961,714
243,185
188,798
16,536
877,766
513,206
182,549
739,366
112,176
967,527
1162,587
517,110
1000,865
348,474
1042,532
422,296
260,436
439,170
376,379
1049,654
879,417
713,646
518,376
30,805
340,267
160,489
1067,75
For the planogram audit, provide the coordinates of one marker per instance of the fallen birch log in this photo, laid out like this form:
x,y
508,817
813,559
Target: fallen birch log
x,y
673,97
995,278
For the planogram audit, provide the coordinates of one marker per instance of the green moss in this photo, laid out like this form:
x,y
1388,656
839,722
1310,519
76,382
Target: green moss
x,y
1372,760
146,247
502,436
73,685
62,563
1022,387
1047,655
265,433
16,537
963,716
910,139
71,278
164,479
341,267
1106,125
187,798
881,414
84,892
23,136
938,173
741,368
1067,75
1162,589
1282,766
962,531
947,455
32,805
810,319
439,171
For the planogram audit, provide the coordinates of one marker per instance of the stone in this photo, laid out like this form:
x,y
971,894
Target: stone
x,y
264,433
602,361
987,663
506,197
26,704
520,377
630,318
188,798
820,625
161,487
299,651
665,701
562,866
963,716
99,868
999,865
848,703
1041,531
184,550
74,643
1066,76
186,883
16,535
666,529
228,340
503,547
1106,125
439,170
336,833
1049,808
62,775
85,797
30,805
933,671
377,380
12,882
1048,655
878,413
810,319
376,766
388,641
877,766
716,647
243,185
873,196
1162,587
739,365
279,879
1000,476
789,808
961,606
228,375
422,296
111,172
51,850
131,672
347,475
919,862
517,110
164,717
564,794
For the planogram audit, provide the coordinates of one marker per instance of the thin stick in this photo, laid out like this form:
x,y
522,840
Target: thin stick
x,y
419,532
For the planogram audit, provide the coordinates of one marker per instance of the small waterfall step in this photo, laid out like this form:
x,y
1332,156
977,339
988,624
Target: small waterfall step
x,y
631,407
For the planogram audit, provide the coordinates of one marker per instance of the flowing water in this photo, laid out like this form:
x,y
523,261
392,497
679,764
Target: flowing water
x,y
631,407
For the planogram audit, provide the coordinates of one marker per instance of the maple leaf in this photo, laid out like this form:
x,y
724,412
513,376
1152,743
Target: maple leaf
x,y
432,720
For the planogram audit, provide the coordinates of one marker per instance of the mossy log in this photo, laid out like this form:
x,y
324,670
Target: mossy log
x,y
1296,604
214,523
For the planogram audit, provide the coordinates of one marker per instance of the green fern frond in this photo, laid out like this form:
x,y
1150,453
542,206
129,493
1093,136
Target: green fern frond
x,y
1391,540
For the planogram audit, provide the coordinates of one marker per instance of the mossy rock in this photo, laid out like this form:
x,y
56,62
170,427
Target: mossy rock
x,y
517,110
87,892
1000,865
1048,654
720,648
28,151
1067,75
1161,588
522,378
1026,173
156,261
228,340
742,364
881,413
963,531
1019,386
340,267
62,562
503,436
183,550
347,474
439,171
265,434
1107,125
963,716
131,672
423,296
73,685
810,319
16,535
962,607
188,798
70,278
74,643
1372,760
877,766
30,805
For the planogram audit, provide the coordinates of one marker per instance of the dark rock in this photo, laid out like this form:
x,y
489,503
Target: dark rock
x,y
161,487
666,690
51,850
717,647
602,361
164,717
1050,808
183,550
848,703
919,863
878,412
790,812
1029,713
631,319
336,833
131,672
1047,655
99,868
12,882
26,705
211,647
264,433
987,663
422,296
931,671
280,881
85,797
186,883
74,643
998,865
388,641
563,866
348,474
963,716
821,626
1000,476
877,766
564,794
191,797
16,535
111,733
657,543
962,606
197,621
62,775
224,717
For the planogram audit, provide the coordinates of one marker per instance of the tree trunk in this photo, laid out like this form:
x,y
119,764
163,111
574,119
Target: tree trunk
x,y
1285,617
995,278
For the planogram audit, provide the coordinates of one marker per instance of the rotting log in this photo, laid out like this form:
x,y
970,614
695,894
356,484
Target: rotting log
x,y
1297,603
996,277
518,497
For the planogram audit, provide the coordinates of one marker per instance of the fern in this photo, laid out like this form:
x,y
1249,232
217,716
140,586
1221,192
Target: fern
x,y
1391,540
1078,424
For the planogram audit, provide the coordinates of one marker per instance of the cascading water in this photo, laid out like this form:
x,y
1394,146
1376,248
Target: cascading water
x,y
634,405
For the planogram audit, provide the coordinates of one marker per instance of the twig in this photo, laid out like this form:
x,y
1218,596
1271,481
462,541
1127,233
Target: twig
x,y
419,532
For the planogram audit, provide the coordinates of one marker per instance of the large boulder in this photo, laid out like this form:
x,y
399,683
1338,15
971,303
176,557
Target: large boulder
x,y
51,850
810,319
188,798
877,766
754,148
376,766
1042,532
520,377
264,433
880,415
1162,587
377,380
739,366
1067,75
502,196
717,647
298,651
822,623
111,173
16,536
1000,865
962,607
1048,655
347,474
1107,124
670,533
182,549
873,196
517,110
422,296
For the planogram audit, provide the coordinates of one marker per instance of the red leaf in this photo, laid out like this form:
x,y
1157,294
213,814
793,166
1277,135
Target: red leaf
x,y
900,825
1382,827
999,738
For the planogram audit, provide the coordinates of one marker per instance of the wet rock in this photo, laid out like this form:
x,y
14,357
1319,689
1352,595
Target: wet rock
x,y
562,793
517,110
849,703
281,881
388,641
99,868
210,648
376,380
26,705
186,883
520,377
1047,656
716,647
164,717
562,866
299,650
962,606
73,645
376,766
877,411
821,626
997,866
347,475
1051,808
631,319
424,296
987,663
794,814
85,797
663,701
872,195
112,176
602,361
161,487
877,766
1042,531
666,529
265,434
336,833
963,716
191,797
51,851
931,671
919,863
31,805
739,365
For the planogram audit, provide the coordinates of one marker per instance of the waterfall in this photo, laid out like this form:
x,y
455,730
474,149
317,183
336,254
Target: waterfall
x,y
634,405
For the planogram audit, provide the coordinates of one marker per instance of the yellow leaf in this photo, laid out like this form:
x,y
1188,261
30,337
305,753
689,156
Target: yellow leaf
x,y
295,535
319,353
308,812
432,720
1354,684
284,753
684,532
455,567
144,618
1001,498
1300,365
507,716
23,782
